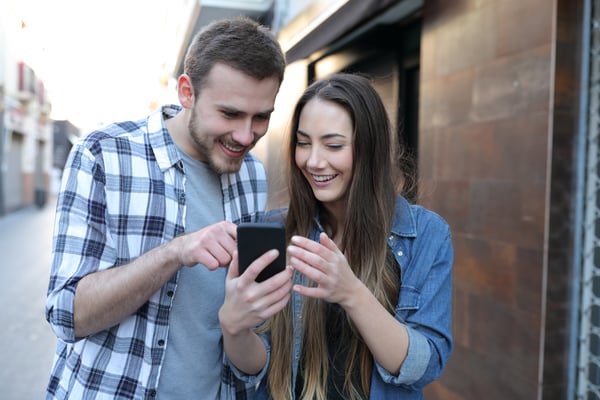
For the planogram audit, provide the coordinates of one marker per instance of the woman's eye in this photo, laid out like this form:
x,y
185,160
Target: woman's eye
x,y
302,144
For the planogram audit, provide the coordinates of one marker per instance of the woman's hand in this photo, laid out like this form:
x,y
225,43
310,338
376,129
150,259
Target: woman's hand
x,y
249,303
325,265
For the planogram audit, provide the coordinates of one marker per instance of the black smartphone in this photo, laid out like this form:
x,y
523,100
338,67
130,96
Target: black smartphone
x,y
256,238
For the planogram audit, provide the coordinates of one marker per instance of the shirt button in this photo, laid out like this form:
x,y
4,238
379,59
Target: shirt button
x,y
161,342
400,253
152,393
170,293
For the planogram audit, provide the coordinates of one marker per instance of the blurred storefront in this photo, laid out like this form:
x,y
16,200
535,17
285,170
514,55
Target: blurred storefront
x,y
25,127
27,141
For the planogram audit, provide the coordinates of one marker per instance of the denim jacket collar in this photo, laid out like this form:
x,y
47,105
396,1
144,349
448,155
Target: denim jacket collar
x,y
405,223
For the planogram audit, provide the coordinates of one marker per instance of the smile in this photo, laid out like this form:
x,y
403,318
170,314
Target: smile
x,y
232,148
323,178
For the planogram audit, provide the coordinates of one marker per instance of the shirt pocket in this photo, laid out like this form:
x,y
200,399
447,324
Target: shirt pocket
x,y
409,299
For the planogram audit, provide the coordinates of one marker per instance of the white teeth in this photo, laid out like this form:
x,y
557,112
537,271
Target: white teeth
x,y
323,178
231,148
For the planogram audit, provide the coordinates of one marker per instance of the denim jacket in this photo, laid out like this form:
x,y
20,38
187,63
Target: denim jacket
x,y
421,242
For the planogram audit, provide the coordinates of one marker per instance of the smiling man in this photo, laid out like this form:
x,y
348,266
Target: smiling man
x,y
141,201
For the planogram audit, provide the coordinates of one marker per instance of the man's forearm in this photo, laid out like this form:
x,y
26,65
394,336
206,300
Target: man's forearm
x,y
105,298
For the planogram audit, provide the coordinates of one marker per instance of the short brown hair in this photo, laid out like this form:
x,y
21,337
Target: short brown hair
x,y
240,43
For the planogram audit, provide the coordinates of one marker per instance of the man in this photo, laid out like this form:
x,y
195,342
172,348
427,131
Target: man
x,y
140,202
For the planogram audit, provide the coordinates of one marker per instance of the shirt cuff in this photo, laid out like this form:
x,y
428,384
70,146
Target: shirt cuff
x,y
415,364
253,379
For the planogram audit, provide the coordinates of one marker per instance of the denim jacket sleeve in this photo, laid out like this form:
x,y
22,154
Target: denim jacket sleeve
x,y
251,379
422,245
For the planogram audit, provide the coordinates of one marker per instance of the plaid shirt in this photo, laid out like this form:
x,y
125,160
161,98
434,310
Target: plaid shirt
x,y
123,194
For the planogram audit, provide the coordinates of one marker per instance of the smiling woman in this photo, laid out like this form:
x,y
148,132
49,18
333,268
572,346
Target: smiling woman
x,y
99,60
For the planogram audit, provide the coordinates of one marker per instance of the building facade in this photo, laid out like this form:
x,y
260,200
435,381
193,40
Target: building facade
x,y
25,126
498,100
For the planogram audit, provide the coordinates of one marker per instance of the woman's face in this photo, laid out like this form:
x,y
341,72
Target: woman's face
x,y
324,150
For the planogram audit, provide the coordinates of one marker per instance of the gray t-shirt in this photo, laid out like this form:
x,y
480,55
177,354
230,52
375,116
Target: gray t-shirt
x,y
193,356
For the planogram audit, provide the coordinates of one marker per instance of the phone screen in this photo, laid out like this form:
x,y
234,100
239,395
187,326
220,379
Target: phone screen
x,y
256,238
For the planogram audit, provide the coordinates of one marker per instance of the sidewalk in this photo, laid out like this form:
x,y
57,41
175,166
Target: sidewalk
x,y
26,341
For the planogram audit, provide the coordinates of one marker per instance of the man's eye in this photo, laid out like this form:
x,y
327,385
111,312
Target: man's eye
x,y
230,114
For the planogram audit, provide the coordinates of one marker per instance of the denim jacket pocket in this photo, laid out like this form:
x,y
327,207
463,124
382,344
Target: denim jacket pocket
x,y
409,299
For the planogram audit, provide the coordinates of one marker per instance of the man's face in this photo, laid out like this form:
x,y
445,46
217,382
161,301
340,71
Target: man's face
x,y
232,111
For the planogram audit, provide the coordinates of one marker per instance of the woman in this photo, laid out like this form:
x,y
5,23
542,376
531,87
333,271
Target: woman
x,y
369,314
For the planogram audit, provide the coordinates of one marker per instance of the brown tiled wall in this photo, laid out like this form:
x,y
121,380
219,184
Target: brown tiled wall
x,y
497,131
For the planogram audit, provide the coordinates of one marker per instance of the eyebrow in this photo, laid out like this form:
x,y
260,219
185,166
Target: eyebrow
x,y
326,136
235,110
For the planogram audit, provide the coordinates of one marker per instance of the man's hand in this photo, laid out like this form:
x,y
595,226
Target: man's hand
x,y
212,246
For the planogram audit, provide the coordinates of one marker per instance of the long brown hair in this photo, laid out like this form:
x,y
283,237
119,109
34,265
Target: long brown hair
x,y
369,213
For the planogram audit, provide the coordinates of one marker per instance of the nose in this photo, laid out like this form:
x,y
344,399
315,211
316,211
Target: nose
x,y
315,159
244,133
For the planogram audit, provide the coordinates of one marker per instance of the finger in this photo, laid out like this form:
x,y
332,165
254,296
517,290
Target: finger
x,y
205,258
213,254
279,280
225,234
274,294
230,228
275,301
314,292
309,258
305,243
220,254
326,241
276,307
325,250
259,264
233,270
213,247
308,270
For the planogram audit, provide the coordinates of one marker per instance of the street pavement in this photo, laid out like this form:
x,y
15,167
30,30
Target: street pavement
x,y
26,341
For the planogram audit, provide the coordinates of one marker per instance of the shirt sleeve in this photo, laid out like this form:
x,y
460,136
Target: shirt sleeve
x,y
80,244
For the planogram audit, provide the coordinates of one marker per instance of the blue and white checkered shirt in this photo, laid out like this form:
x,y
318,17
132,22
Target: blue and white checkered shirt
x,y
122,194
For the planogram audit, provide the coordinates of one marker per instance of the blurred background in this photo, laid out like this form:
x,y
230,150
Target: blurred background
x,y
498,101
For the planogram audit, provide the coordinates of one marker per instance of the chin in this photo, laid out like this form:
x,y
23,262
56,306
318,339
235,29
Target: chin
x,y
228,167
324,198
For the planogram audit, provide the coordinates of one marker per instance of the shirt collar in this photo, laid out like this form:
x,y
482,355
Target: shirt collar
x,y
161,141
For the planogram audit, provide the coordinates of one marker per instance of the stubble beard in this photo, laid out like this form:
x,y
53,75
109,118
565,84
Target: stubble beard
x,y
208,149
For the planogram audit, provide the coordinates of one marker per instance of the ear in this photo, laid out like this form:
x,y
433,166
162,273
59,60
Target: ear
x,y
185,91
